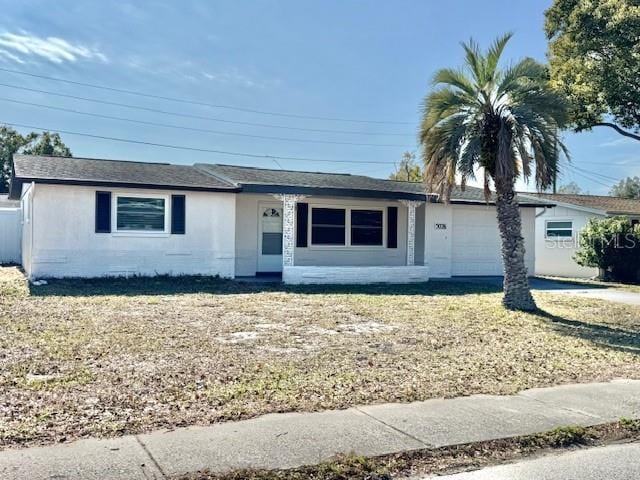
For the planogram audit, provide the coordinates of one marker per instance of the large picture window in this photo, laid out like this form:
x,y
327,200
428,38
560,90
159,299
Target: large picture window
x,y
328,226
140,214
559,229
366,227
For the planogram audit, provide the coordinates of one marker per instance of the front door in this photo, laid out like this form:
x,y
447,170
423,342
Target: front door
x,y
270,237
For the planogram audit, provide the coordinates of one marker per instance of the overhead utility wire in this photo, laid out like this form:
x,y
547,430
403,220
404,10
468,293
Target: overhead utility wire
x,y
199,117
205,104
184,147
195,129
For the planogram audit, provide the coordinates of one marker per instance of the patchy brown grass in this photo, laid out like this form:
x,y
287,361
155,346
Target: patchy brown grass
x,y
108,357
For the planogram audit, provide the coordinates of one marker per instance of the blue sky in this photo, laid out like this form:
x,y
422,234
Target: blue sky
x,y
358,60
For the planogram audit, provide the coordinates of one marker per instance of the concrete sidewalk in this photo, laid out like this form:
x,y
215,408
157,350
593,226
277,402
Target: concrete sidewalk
x,y
290,440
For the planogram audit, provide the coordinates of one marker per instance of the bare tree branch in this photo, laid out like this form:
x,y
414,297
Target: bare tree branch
x,y
617,129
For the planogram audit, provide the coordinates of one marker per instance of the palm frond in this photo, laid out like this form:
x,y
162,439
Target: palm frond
x,y
492,57
455,78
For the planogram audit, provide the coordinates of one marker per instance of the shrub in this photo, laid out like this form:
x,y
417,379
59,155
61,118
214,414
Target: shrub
x,y
613,246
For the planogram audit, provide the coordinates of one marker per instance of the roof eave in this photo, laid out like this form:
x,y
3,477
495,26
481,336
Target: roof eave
x,y
332,192
102,183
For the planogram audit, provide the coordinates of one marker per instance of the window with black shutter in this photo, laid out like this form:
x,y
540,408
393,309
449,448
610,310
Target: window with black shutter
x,y
392,227
302,223
178,222
103,212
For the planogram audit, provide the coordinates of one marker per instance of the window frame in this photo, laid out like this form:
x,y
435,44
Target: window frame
x,y
165,232
382,229
558,238
347,227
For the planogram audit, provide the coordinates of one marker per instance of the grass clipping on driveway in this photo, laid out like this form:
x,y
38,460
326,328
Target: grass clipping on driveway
x,y
102,358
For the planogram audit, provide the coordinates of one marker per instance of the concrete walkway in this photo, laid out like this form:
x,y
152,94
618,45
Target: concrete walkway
x,y
290,440
598,292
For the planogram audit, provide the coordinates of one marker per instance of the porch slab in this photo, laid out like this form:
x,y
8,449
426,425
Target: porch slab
x,y
298,275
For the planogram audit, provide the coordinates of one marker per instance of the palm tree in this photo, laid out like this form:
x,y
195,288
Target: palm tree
x,y
503,122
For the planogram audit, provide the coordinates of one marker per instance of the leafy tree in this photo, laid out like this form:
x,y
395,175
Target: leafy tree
x,y
627,188
571,188
408,170
594,53
613,246
11,142
504,121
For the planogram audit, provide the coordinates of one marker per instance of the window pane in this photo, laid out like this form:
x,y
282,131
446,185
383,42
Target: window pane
x,y
322,235
559,233
366,227
328,226
141,214
366,218
328,216
559,224
366,236
271,243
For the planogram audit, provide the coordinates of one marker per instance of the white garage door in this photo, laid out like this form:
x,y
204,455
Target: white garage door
x,y
475,242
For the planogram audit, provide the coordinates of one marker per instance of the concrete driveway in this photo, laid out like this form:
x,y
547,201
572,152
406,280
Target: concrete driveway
x,y
565,288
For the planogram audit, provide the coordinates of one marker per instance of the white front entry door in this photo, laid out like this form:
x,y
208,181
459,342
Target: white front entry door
x,y
270,237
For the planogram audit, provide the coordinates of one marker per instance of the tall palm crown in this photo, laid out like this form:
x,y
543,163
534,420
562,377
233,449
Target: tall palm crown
x,y
505,121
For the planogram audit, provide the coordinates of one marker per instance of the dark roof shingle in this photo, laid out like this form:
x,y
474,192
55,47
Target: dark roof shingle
x,y
92,171
216,177
610,205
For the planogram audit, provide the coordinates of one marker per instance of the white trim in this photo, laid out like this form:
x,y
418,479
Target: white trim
x,y
559,219
347,227
140,233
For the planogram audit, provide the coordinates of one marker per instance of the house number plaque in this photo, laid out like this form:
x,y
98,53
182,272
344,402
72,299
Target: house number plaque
x,y
441,226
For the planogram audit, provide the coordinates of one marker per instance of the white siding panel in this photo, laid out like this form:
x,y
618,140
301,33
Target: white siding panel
x,y
10,235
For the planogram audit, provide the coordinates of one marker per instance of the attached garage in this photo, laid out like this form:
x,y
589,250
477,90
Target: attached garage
x,y
463,240
475,241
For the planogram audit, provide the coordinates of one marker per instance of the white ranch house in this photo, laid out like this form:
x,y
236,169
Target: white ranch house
x,y
90,218
558,229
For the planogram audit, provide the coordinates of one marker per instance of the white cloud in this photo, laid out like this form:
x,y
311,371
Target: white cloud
x,y
233,76
18,46
618,142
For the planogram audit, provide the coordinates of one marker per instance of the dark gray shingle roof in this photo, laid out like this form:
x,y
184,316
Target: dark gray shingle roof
x,y
216,177
90,171
610,205
262,179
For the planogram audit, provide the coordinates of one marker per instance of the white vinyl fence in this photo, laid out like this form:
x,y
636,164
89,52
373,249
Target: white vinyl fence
x,y
10,233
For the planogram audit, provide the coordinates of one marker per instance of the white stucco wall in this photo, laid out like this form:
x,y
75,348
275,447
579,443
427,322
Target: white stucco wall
x,y
247,237
64,242
555,256
464,240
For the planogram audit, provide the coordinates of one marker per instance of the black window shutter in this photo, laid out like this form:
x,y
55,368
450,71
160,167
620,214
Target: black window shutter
x,y
392,227
177,214
103,212
302,215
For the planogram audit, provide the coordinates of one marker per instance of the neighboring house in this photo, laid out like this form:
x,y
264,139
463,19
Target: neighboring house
x,y
88,217
558,228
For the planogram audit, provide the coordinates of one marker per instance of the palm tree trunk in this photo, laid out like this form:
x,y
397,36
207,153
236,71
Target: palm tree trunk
x,y
517,295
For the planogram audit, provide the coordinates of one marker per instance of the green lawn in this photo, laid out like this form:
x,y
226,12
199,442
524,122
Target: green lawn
x,y
108,357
